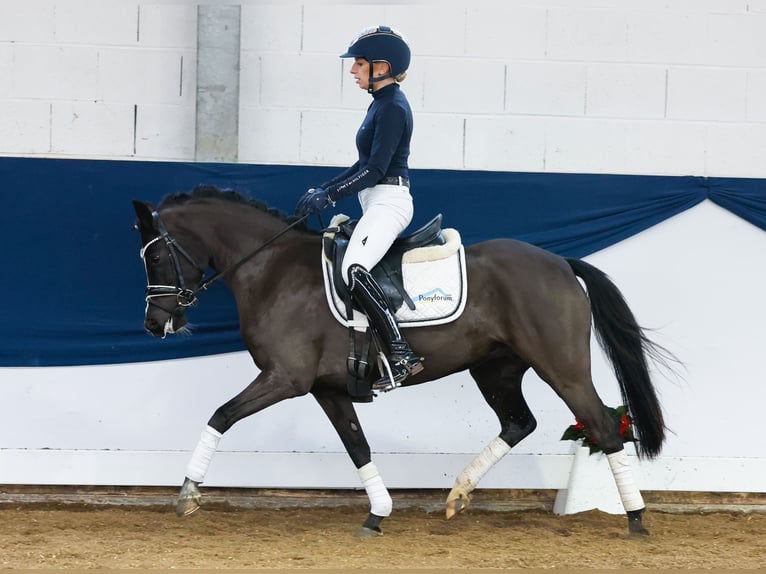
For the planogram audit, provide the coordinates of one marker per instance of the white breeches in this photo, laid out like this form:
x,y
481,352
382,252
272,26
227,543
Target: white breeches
x,y
386,212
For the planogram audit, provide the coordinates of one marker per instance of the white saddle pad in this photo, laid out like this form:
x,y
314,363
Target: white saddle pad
x,y
434,277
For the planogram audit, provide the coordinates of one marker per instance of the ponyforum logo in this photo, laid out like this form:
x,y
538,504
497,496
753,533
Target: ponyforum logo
x,y
434,296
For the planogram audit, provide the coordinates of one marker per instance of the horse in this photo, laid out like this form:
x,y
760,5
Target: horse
x,y
531,312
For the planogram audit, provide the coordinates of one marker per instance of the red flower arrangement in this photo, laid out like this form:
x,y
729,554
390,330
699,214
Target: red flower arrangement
x,y
620,414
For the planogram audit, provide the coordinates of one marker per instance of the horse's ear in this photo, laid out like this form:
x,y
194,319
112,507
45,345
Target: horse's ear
x,y
144,213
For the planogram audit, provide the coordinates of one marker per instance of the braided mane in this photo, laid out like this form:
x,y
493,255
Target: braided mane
x,y
204,191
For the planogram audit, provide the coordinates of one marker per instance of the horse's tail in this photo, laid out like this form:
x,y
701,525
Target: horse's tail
x,y
627,348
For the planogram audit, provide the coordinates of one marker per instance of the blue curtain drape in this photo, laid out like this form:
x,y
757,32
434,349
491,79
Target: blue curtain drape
x,y
72,289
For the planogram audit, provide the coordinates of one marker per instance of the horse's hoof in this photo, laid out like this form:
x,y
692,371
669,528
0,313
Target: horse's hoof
x,y
187,506
365,532
635,524
188,499
457,502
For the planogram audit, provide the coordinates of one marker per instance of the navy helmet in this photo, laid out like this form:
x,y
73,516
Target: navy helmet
x,y
381,44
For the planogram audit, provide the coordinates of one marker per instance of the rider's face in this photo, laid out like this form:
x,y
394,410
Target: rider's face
x,y
360,69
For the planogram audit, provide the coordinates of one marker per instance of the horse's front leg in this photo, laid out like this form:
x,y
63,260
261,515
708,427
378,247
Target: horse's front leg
x,y
340,410
267,389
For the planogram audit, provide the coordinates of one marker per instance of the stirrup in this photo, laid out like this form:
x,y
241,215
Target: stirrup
x,y
397,369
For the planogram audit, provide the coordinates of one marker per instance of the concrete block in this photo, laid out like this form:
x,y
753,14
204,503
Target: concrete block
x,y
25,127
715,94
6,70
23,21
165,132
582,34
443,35
269,135
101,23
92,128
667,36
471,86
55,72
619,90
330,28
736,150
584,146
147,76
327,137
447,130
756,96
735,39
271,27
249,78
758,37
507,143
506,30
547,88
167,25
664,148
311,83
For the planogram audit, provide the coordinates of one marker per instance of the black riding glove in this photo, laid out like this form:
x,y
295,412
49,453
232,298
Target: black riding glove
x,y
313,201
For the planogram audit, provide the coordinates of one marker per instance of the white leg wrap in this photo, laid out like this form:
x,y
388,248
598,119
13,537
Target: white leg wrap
x,y
623,476
203,454
380,500
486,459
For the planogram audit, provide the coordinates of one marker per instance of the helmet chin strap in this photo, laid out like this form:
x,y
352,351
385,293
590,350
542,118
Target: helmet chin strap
x,y
373,80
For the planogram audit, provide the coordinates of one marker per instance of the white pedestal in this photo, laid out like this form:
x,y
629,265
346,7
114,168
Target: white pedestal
x,y
591,486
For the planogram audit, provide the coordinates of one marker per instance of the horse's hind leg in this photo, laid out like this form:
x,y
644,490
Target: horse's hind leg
x,y
582,399
499,381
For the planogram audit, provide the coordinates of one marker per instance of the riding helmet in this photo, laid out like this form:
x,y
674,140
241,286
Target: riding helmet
x,y
381,44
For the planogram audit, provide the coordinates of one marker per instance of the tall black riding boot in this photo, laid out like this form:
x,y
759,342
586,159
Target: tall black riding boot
x,y
401,359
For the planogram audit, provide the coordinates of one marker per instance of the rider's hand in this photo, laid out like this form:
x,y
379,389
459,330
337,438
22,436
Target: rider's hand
x,y
313,201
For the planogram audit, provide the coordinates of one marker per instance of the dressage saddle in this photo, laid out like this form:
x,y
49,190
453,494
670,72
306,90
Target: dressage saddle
x,y
388,272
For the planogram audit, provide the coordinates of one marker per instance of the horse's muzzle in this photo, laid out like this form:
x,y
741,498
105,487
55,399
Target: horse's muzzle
x,y
172,323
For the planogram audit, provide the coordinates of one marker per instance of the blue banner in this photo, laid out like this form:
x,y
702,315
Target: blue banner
x,y
73,283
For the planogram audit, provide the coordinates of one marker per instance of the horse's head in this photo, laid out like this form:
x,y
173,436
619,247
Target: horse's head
x,y
171,272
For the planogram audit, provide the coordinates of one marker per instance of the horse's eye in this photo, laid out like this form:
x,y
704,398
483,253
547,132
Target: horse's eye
x,y
155,259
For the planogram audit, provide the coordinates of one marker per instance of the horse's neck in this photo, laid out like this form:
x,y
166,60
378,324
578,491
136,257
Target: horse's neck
x,y
248,240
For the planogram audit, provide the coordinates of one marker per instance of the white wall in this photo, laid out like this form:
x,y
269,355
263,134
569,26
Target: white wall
x,y
594,86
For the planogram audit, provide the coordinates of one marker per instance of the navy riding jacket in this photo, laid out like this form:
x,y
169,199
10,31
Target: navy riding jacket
x,y
383,143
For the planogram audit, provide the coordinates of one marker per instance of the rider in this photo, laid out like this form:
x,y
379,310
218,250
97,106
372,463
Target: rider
x,y
380,178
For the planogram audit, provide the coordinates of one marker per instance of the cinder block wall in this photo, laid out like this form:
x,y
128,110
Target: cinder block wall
x,y
594,86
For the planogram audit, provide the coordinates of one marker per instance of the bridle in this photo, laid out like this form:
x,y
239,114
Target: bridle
x,y
186,296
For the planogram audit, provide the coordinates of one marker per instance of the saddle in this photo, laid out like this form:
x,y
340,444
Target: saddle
x,y
388,272
438,285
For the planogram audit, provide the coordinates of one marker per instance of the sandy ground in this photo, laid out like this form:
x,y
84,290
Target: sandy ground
x,y
221,535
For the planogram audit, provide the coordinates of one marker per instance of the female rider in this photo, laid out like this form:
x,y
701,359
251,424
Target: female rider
x,y
380,179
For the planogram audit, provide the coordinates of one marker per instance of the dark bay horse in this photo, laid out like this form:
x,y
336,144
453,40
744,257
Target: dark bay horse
x,y
525,309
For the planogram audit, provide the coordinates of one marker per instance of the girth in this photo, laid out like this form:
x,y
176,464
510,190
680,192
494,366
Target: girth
x,y
388,272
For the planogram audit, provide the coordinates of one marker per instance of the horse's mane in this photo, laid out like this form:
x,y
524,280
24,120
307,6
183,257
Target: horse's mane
x,y
205,191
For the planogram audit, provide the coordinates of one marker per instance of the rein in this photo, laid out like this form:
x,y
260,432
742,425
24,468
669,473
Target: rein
x,y
186,297
215,277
